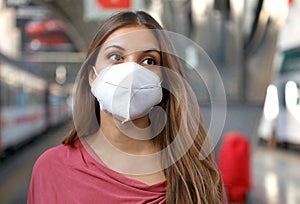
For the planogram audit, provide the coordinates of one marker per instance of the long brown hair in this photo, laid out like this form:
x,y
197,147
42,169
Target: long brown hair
x,y
189,179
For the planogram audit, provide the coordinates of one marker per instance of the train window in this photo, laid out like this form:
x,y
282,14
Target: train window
x,y
291,62
292,65
31,98
22,97
3,91
12,96
7,95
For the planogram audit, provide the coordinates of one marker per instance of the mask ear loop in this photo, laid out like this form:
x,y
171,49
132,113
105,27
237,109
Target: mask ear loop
x,y
94,68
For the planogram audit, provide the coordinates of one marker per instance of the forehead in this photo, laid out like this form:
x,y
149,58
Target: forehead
x,y
132,38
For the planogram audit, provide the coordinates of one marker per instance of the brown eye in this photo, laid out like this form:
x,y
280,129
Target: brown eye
x,y
149,61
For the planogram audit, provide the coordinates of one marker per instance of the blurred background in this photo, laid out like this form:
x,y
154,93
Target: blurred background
x,y
255,45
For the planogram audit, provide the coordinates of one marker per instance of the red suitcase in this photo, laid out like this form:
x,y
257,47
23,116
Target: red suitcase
x,y
234,163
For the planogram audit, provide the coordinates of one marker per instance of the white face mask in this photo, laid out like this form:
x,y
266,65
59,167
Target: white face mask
x,y
127,90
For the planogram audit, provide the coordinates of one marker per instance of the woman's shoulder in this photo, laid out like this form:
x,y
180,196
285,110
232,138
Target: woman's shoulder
x,y
54,156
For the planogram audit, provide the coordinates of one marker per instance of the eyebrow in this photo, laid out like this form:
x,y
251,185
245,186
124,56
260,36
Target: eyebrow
x,y
115,46
152,50
121,48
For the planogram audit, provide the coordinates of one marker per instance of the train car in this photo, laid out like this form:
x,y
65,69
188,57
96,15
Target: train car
x,y
28,106
23,107
280,121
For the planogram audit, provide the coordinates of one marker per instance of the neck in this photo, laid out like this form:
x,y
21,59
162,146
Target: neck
x,y
133,137
122,152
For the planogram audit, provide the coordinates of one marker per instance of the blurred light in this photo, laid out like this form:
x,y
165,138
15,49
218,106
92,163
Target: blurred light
x,y
291,194
20,78
292,99
291,95
60,74
198,9
35,44
238,7
191,56
271,106
277,9
271,186
10,36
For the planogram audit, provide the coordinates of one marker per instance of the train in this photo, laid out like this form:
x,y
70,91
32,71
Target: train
x,y
29,106
280,121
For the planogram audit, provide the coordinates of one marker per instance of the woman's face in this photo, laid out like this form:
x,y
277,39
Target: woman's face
x,y
130,44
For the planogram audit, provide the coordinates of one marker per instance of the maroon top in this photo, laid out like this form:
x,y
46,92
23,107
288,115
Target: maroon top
x,y
71,175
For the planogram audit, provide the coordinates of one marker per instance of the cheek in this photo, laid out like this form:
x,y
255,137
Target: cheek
x,y
158,72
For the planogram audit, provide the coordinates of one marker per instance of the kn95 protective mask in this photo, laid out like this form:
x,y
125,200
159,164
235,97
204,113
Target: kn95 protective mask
x,y
128,90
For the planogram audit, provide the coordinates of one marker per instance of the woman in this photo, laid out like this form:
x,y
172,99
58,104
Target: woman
x,y
123,147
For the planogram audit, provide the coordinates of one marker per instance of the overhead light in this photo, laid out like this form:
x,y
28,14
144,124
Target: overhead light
x,y
271,106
